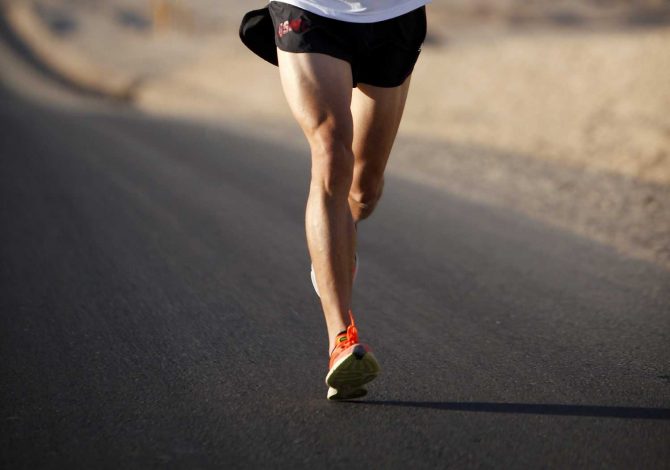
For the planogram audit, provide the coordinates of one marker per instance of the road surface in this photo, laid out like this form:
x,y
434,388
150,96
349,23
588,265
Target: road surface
x,y
156,311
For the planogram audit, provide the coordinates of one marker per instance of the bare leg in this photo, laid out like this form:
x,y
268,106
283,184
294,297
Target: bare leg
x,y
318,91
376,114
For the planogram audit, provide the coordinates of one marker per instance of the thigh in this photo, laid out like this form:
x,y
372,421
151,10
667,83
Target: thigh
x,y
376,115
318,92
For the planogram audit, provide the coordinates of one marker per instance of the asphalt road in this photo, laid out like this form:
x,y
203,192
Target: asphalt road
x,y
156,311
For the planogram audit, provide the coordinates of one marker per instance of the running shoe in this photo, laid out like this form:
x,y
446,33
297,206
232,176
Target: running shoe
x,y
313,276
352,365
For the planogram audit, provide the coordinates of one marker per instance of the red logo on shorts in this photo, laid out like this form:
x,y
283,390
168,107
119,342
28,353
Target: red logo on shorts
x,y
297,26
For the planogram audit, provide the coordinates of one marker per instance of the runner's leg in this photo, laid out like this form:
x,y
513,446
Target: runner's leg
x,y
318,91
376,115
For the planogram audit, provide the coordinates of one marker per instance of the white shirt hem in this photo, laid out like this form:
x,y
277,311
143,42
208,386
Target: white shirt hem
x,y
358,16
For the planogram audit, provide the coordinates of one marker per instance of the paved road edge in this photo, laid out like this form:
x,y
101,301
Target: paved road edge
x,y
61,59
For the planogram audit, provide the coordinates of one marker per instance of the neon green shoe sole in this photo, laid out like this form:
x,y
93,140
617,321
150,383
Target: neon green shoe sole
x,y
348,375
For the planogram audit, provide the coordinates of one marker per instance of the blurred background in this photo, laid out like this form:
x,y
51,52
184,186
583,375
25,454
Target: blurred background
x,y
557,109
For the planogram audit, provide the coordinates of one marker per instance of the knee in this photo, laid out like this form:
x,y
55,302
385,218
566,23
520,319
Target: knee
x,y
364,202
332,162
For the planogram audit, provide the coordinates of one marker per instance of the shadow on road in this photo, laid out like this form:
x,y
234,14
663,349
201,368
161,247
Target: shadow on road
x,y
537,409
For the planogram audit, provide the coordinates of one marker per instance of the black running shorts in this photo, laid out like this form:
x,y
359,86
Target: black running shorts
x,y
381,54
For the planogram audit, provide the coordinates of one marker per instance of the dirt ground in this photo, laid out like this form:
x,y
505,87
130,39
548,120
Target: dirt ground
x,y
556,109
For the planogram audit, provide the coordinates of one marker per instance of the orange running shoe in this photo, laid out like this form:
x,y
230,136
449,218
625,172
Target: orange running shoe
x,y
352,365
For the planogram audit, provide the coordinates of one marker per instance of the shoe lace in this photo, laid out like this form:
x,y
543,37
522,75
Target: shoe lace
x,y
351,335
